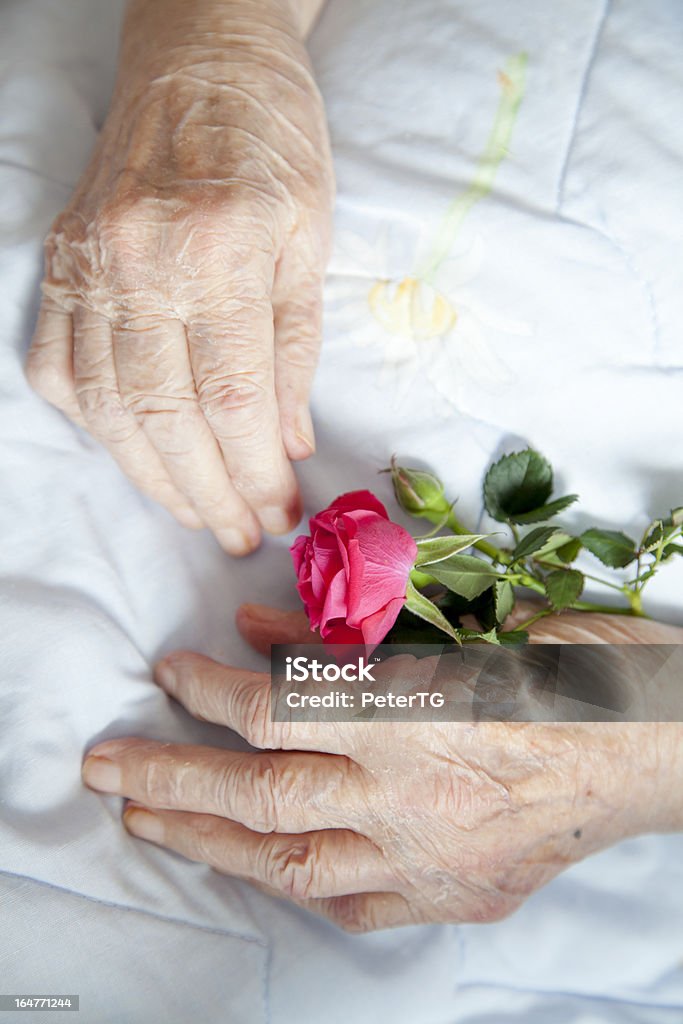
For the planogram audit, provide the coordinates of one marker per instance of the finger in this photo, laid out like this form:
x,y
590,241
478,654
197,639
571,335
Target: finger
x,y
232,360
108,420
297,306
241,700
582,628
157,387
596,628
49,364
312,865
279,792
262,626
364,912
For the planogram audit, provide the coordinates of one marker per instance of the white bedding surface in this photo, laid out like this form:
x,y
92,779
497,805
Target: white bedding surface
x,y
566,282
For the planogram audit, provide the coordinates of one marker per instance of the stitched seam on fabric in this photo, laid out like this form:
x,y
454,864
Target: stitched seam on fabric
x,y
210,929
579,103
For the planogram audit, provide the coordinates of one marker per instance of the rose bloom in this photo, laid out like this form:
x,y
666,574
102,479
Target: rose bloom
x,y
353,569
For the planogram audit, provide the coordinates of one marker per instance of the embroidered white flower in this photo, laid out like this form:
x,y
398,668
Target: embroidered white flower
x,y
438,332
432,324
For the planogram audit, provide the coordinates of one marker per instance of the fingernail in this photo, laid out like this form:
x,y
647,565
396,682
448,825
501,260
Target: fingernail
x,y
275,520
102,774
304,429
235,541
143,824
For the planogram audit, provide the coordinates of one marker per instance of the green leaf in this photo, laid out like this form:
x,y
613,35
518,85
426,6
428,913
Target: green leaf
x,y
656,534
436,549
568,552
563,587
490,637
409,629
504,597
464,575
421,606
558,538
560,549
538,515
612,547
516,484
661,530
534,541
515,638
670,550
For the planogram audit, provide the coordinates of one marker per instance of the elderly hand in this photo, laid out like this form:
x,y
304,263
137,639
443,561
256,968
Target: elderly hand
x,y
378,824
181,316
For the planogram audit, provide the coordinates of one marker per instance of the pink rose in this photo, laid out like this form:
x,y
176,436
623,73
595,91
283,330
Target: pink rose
x,y
353,569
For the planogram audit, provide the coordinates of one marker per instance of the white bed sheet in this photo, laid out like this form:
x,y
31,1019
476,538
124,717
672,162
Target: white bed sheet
x,y
566,283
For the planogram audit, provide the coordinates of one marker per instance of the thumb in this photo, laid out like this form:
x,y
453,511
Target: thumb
x,y
262,626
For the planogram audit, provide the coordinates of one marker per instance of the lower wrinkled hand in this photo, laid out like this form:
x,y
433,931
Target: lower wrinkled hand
x,y
181,315
378,824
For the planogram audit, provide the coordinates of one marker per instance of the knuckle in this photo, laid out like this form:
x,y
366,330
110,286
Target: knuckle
x,y
262,781
101,405
222,785
171,419
237,392
302,353
294,867
139,404
215,506
257,727
204,840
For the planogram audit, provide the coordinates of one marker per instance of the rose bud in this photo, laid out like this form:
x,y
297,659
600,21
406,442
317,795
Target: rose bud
x,y
419,493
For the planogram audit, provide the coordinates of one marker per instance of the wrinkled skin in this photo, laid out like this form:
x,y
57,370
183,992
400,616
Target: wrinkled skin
x,y
181,316
380,824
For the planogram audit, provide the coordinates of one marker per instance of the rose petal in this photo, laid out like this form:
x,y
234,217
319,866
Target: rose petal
x,y
380,567
354,501
376,626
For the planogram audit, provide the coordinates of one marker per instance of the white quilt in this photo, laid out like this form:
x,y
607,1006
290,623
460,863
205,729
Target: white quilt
x,y
551,316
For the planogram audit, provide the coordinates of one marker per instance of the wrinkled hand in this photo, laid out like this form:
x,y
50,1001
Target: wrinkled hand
x,y
378,824
181,316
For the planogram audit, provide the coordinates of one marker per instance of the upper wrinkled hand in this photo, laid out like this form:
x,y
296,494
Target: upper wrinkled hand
x,y
181,315
376,824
